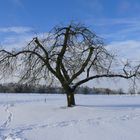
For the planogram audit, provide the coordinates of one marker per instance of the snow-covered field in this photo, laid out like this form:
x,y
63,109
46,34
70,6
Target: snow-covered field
x,y
46,117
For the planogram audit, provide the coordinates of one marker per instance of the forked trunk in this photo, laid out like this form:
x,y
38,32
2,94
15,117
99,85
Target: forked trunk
x,y
70,99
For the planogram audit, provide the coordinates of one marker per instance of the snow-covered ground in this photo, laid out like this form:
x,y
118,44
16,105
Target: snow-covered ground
x,y
46,117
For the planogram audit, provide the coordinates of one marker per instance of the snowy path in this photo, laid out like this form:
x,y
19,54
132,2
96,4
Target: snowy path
x,y
5,132
45,117
7,122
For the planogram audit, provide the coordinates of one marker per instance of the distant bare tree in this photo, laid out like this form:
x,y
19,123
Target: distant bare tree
x,y
73,55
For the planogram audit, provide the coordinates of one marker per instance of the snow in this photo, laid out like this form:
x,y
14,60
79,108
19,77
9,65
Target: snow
x,y
46,117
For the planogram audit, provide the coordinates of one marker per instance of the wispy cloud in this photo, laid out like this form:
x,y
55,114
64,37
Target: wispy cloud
x,y
115,29
126,33
16,36
16,42
15,29
115,21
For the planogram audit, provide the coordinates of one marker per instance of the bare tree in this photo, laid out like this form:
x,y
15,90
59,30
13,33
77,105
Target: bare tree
x,y
73,55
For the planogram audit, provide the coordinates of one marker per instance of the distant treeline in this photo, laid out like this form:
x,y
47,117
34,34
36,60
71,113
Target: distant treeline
x,y
25,88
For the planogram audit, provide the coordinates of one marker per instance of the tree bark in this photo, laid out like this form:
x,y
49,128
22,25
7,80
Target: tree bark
x,y
70,99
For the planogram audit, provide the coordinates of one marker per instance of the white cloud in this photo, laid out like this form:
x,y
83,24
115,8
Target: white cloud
x,y
18,41
16,36
129,49
15,29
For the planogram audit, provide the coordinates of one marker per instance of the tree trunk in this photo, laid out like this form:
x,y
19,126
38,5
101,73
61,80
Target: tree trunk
x,y
70,99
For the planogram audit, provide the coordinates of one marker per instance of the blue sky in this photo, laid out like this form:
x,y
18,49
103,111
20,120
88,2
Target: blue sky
x,y
117,21
106,17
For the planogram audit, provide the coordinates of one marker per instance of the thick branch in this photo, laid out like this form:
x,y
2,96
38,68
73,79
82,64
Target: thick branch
x,y
63,50
65,73
83,65
103,76
40,45
9,54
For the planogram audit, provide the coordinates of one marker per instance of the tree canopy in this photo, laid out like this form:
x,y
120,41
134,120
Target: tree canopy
x,y
71,54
